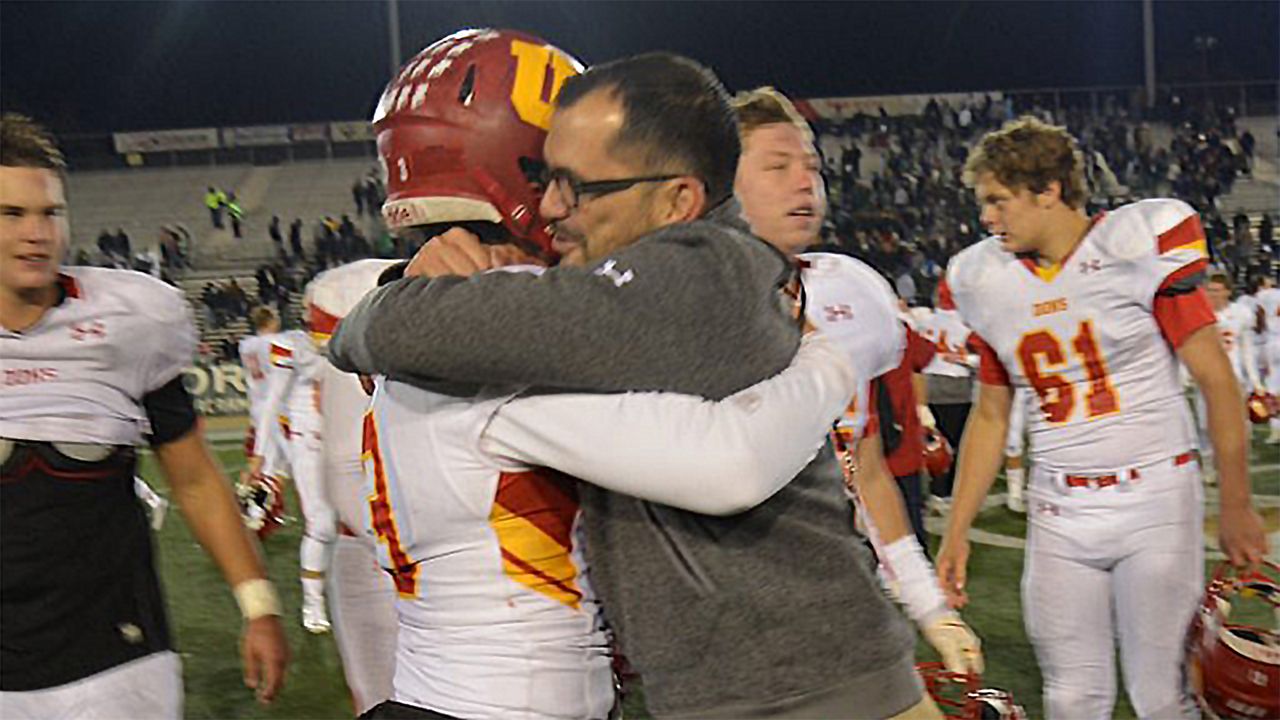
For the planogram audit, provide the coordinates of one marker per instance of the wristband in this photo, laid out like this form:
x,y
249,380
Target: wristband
x,y
257,598
917,584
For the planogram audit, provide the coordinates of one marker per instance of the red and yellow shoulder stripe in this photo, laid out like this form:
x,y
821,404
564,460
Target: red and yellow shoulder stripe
x,y
1186,235
281,355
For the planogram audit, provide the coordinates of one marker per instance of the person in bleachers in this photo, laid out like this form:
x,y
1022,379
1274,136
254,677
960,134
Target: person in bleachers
x,y
123,247
266,284
357,194
214,199
236,213
277,238
295,238
106,244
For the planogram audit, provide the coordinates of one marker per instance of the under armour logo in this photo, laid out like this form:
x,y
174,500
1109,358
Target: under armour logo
x,y
1088,266
836,313
82,331
610,270
1049,509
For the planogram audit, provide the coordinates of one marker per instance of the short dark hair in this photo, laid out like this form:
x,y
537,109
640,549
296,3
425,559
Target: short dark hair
x,y
677,115
25,143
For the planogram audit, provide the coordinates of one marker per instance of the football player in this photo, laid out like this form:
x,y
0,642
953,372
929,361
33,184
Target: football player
x,y
296,453
361,597
92,364
1268,299
1015,473
1093,315
949,379
680,581
1235,326
255,358
779,183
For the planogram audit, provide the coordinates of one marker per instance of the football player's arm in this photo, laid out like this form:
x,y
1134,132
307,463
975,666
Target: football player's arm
x,y
1241,535
710,457
981,455
209,507
1181,309
913,579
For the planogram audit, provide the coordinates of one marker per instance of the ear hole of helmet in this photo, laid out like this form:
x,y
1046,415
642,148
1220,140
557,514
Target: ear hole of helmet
x,y
467,91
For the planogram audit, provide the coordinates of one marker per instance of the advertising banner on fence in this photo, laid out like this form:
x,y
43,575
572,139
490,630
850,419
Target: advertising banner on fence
x,y
166,140
351,131
315,132
255,136
847,107
217,389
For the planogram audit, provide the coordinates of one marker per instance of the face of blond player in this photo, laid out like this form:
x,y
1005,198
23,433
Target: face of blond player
x,y
1017,215
1219,295
580,140
33,229
779,183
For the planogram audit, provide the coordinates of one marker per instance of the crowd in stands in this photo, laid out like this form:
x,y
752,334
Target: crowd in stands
x,y
168,253
910,216
906,215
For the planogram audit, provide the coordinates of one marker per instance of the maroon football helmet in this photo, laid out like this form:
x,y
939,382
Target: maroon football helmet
x,y
961,695
460,132
1260,408
938,454
261,500
1234,668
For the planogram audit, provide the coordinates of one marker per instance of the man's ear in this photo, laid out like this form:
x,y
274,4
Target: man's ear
x,y
683,199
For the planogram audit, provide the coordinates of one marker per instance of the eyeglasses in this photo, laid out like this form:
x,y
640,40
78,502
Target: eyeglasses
x,y
572,190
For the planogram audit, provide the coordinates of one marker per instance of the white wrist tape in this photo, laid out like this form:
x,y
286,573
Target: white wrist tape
x,y
917,583
926,416
257,598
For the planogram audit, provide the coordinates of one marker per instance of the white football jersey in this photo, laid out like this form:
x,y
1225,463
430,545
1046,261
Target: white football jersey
x,y
848,300
292,406
1235,325
1269,302
329,297
255,357
81,372
1085,338
497,619
950,337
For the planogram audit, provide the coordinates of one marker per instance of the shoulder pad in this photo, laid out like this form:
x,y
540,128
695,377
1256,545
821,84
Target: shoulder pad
x,y
337,291
1148,228
144,295
846,296
970,269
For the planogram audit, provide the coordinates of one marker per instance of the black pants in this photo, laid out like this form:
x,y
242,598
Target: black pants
x,y
951,419
913,497
392,710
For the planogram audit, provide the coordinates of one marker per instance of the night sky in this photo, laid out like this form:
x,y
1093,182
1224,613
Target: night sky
x,y
98,66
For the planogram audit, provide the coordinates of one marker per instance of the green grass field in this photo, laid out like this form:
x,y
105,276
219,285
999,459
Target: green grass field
x,y
206,623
